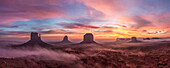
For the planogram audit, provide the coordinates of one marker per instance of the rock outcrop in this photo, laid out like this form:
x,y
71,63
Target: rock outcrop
x,y
146,39
134,40
35,41
122,39
64,41
88,38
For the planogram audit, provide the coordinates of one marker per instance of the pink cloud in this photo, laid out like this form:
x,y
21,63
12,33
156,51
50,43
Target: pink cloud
x,y
23,10
108,7
125,12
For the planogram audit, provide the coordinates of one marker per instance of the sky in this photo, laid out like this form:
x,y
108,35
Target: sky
x,y
106,19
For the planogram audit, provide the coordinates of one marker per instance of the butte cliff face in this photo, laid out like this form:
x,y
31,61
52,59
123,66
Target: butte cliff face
x,y
35,36
35,41
88,38
134,40
64,41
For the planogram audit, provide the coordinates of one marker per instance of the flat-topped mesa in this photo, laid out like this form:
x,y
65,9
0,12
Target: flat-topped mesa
x,y
88,38
122,39
134,40
65,40
146,39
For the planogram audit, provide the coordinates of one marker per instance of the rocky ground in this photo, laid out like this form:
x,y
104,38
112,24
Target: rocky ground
x,y
99,56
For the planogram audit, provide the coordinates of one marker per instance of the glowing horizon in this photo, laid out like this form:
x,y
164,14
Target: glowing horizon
x,y
106,19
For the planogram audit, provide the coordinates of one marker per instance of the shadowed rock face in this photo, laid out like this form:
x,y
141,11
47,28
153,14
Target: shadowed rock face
x,y
34,42
134,40
88,38
122,39
146,38
35,36
65,40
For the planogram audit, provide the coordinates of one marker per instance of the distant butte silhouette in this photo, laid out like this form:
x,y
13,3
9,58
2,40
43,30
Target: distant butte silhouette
x,y
35,42
134,40
88,38
146,39
64,41
122,39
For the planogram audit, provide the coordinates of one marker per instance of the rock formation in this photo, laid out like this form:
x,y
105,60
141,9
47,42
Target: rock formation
x,y
88,38
155,38
35,41
146,38
122,39
134,40
64,41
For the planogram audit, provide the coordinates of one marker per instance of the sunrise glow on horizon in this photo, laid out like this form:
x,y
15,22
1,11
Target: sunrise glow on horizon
x,y
106,19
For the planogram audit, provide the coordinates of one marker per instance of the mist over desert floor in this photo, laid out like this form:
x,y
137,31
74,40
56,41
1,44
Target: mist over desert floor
x,y
107,54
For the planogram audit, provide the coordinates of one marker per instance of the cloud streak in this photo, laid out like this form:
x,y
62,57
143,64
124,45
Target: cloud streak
x,y
80,16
